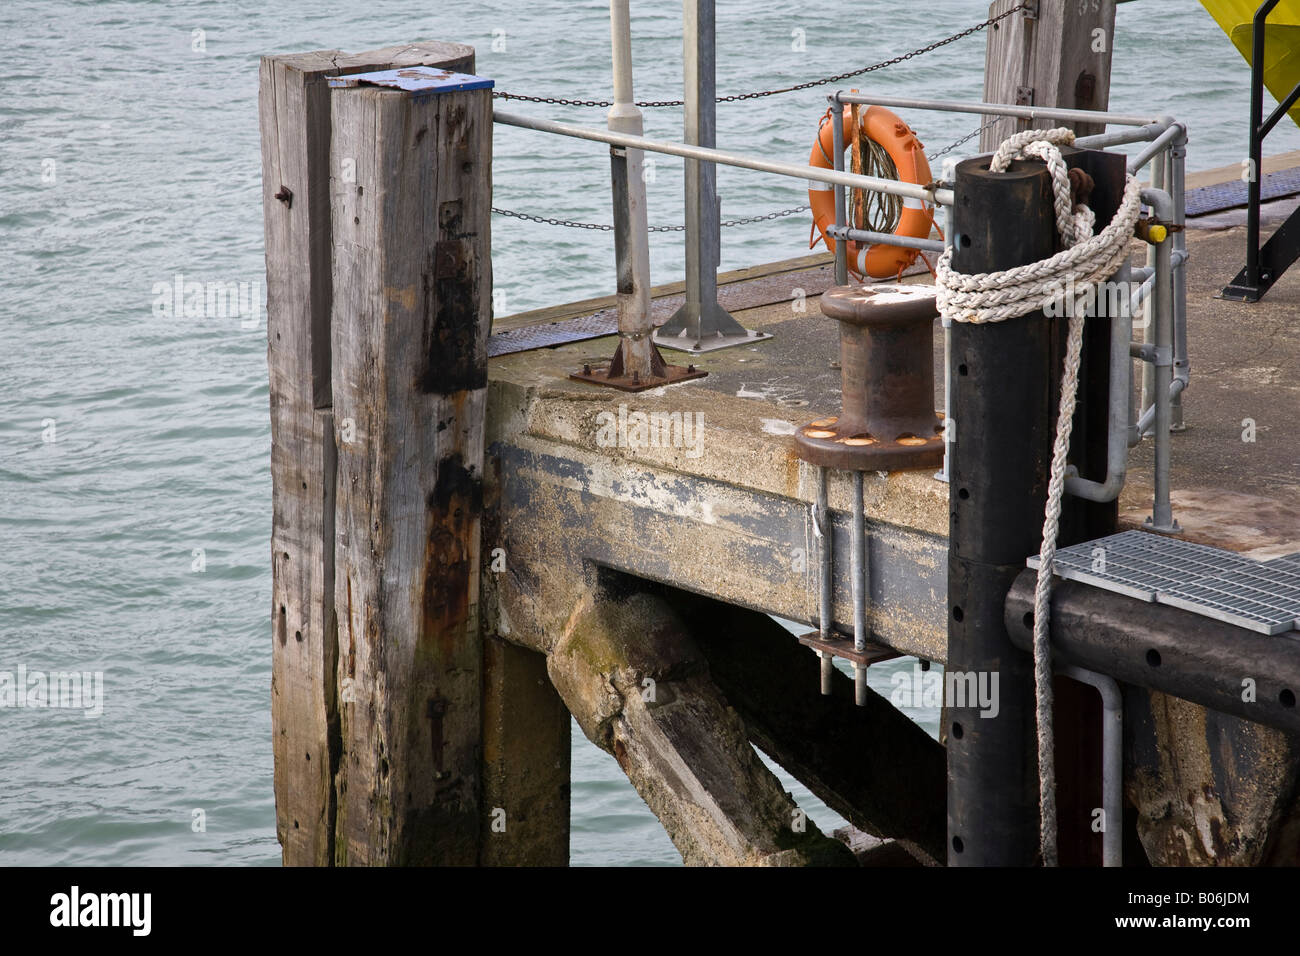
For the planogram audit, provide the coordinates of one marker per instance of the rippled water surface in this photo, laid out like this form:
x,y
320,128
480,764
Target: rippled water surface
x,y
129,154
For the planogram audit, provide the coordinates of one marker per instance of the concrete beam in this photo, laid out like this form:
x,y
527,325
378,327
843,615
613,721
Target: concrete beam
x,y
564,505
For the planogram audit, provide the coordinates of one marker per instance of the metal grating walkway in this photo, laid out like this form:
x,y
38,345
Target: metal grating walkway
x,y
555,333
1261,596
1231,195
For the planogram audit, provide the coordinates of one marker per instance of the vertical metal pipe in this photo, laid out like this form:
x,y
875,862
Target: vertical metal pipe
x,y
1163,367
620,31
1119,407
841,245
697,33
1112,761
1112,774
1162,513
1149,313
859,567
1177,189
705,126
634,320
1256,143
949,426
860,584
701,319
826,543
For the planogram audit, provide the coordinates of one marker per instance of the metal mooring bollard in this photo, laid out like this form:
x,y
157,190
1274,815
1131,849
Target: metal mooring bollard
x,y
887,418
887,421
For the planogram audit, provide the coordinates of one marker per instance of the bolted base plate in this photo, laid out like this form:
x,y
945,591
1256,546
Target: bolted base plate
x,y
1242,293
599,375
843,647
708,343
819,443
1172,528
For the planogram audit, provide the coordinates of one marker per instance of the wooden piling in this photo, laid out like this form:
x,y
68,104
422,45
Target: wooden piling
x,y
1059,57
526,756
295,129
1003,400
410,321
1078,707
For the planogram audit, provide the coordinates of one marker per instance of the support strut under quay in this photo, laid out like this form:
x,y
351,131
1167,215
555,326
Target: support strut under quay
x,y
640,689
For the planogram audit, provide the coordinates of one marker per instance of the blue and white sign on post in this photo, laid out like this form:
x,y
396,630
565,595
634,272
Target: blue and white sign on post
x,y
420,80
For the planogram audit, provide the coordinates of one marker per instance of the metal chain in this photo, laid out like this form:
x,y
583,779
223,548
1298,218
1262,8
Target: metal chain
x,y
552,222
547,220
771,215
737,97
967,138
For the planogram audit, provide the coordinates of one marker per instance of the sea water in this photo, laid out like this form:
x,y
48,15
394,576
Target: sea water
x,y
135,506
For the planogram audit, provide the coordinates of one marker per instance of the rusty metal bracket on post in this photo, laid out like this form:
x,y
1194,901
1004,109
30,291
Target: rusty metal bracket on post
x,y
620,373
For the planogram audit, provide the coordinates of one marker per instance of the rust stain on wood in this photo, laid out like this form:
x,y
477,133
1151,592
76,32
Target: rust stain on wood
x,y
453,360
404,297
456,499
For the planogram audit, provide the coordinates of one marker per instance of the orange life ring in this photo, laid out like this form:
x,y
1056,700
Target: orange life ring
x,y
879,260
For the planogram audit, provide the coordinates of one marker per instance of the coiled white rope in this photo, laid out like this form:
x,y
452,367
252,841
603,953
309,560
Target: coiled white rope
x,y
996,296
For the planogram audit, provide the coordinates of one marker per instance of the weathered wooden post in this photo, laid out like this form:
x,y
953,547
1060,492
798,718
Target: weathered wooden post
x,y
411,154
1053,53
294,109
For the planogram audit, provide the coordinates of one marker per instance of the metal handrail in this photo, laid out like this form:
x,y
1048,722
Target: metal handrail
x,y
1166,144
997,109
930,192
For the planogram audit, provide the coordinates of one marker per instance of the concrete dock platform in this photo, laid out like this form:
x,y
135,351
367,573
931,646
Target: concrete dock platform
x,y
696,487
1238,494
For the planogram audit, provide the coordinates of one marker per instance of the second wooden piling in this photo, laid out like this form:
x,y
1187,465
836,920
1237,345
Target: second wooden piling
x,y
410,321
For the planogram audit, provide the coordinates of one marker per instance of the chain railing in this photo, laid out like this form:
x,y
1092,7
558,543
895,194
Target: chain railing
x,y
965,139
839,77
811,84
779,214
605,227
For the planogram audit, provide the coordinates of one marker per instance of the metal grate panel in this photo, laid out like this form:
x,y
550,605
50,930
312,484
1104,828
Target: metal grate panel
x,y
1263,596
1216,198
556,333
1141,564
1287,561
1260,598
